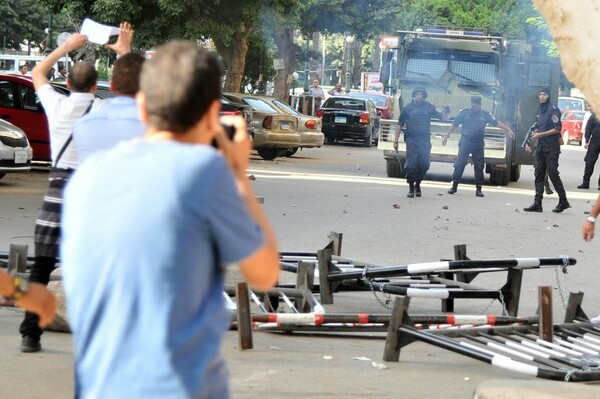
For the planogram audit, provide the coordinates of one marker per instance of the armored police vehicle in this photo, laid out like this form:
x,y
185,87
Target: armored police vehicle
x,y
453,66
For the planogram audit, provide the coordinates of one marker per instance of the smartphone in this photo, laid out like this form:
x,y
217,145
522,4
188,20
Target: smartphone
x,y
229,132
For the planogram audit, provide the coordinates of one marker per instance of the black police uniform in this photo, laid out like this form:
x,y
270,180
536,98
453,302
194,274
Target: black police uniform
x,y
546,156
592,137
471,142
417,117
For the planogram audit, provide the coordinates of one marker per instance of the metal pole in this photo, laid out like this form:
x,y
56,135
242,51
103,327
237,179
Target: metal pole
x,y
348,64
49,46
306,70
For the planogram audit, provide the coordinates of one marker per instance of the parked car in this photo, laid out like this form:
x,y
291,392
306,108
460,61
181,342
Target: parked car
x,y
350,117
274,131
571,103
382,102
20,105
15,151
309,127
571,126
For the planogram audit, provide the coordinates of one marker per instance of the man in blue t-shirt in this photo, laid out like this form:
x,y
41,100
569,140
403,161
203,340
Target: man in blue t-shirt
x,y
148,227
118,120
473,121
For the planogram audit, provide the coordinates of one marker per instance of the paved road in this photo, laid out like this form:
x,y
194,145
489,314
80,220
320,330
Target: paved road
x,y
344,188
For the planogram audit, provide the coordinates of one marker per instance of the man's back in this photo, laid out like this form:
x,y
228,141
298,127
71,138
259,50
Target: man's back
x,y
101,130
147,227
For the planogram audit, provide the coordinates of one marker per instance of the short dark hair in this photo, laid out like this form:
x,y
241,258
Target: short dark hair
x,y
180,83
83,77
126,74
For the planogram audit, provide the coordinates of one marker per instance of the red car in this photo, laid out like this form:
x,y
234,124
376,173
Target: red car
x,y
382,102
20,106
571,126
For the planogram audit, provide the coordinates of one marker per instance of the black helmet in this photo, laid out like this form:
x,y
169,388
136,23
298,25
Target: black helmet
x,y
419,89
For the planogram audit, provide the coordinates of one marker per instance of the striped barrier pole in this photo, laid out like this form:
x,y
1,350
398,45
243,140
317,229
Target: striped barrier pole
x,y
450,266
454,293
364,318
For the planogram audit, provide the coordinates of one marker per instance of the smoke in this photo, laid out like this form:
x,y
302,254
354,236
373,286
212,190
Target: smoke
x,y
573,27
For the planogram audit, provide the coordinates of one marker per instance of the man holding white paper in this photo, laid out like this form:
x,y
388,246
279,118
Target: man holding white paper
x,y
62,112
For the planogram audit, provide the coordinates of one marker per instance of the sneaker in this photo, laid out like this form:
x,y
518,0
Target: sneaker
x,y
30,344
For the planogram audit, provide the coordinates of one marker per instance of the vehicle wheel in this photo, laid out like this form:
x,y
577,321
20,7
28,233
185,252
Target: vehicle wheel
x,y
367,141
329,139
269,153
291,151
499,177
580,143
515,172
394,169
2,175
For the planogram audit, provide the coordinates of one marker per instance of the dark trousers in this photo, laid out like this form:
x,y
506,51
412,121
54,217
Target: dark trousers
x,y
591,156
40,273
417,160
547,162
466,148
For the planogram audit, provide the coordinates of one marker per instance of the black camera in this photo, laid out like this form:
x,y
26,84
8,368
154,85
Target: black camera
x,y
229,132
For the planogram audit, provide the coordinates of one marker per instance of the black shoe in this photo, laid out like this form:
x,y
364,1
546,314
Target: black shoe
x,y
478,192
453,189
562,205
584,186
549,191
411,193
418,189
30,344
535,207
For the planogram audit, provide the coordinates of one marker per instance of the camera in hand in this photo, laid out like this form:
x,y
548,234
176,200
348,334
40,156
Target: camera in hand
x,y
229,132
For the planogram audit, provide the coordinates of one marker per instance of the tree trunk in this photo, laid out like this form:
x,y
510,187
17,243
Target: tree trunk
x,y
234,55
287,51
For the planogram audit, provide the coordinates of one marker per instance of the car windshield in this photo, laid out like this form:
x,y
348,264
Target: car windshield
x,y
259,105
439,67
573,115
286,107
345,103
380,101
565,103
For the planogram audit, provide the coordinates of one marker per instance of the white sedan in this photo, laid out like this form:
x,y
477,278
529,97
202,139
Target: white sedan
x,y
15,151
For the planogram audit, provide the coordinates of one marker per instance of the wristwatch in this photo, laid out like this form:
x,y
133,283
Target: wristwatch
x,y
591,219
21,285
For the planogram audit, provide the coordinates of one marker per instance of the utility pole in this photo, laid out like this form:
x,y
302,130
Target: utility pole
x,y
349,41
49,45
306,70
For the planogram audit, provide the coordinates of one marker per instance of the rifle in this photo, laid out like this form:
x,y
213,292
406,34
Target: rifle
x,y
528,135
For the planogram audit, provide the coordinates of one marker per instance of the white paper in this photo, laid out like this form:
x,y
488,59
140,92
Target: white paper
x,y
97,33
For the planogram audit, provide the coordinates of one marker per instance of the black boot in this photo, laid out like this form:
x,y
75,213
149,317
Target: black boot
x,y
478,192
562,205
411,190
453,189
418,188
585,185
535,207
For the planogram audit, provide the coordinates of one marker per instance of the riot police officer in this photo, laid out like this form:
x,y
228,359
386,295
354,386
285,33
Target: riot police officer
x,y
592,145
547,132
473,121
417,117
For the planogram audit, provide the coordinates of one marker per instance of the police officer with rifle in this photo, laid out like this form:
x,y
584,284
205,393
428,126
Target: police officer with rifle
x,y
547,131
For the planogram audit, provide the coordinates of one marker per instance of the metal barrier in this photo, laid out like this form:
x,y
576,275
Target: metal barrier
x,y
446,280
568,352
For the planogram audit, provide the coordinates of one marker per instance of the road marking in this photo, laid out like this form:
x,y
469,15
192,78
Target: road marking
x,y
271,174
